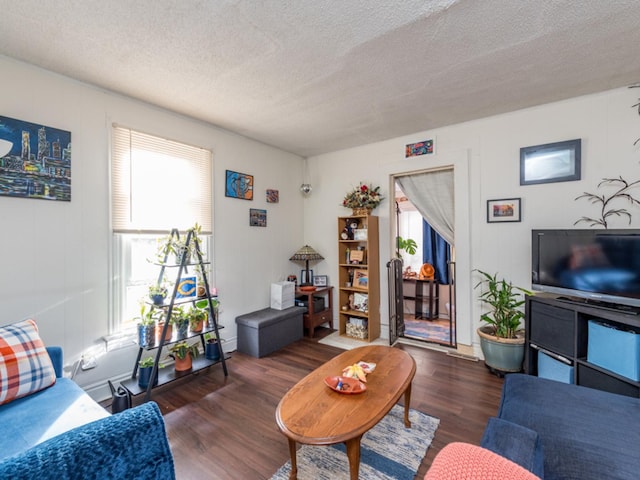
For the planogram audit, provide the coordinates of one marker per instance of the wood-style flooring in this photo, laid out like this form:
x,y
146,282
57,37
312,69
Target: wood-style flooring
x,y
225,428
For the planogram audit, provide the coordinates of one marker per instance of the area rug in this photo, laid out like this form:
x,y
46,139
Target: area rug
x,y
428,330
388,451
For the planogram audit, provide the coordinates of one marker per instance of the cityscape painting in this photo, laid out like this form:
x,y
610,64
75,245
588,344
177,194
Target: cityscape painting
x,y
35,160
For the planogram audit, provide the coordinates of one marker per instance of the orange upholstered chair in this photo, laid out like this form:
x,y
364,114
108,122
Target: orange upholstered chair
x,y
463,461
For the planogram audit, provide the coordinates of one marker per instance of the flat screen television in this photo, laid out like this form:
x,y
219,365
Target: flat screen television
x,y
597,266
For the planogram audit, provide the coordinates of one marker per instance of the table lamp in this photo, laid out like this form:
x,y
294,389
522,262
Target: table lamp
x,y
305,254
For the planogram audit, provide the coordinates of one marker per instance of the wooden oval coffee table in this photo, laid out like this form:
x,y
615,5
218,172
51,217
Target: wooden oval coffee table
x,y
313,414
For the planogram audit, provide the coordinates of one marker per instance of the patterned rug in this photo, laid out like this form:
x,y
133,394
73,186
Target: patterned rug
x,y
388,451
433,331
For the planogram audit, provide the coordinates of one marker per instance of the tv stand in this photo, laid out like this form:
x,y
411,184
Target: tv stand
x,y
559,326
613,307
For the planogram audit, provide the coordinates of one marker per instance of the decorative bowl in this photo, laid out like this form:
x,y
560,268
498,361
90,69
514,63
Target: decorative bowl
x,y
345,384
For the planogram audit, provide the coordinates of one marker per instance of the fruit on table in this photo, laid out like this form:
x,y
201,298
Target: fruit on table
x,y
355,371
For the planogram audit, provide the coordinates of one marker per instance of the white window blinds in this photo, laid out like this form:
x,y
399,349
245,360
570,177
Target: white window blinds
x,y
158,184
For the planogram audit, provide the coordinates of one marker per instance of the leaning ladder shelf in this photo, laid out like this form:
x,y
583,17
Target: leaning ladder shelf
x,y
199,363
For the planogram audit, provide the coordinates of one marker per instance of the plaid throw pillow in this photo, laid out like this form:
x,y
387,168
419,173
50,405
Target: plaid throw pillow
x,y
25,366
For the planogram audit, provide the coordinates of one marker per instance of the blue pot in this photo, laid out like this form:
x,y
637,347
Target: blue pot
x,y
146,335
144,375
212,351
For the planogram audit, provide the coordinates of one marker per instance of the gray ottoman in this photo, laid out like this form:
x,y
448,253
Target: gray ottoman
x,y
265,331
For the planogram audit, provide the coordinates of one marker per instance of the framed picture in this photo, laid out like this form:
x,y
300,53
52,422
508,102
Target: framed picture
x,y
238,185
273,196
35,159
503,210
552,162
356,256
361,278
420,148
320,280
304,280
257,217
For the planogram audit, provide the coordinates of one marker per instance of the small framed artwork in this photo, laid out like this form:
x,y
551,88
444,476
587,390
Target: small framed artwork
x,y
503,210
320,281
273,196
257,217
420,148
356,256
306,277
238,185
550,163
361,278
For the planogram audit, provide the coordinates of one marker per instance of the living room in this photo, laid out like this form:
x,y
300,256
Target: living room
x,y
57,263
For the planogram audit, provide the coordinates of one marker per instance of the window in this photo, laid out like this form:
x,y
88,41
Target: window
x,y
156,185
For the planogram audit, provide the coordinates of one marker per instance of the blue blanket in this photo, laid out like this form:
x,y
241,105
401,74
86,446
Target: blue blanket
x,y
131,444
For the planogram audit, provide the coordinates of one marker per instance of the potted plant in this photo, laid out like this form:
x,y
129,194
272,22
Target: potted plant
x,y
409,245
501,339
160,329
146,325
145,367
211,347
183,354
180,319
197,317
157,294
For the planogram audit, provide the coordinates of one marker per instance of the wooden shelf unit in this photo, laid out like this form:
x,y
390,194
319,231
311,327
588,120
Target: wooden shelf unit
x,y
370,265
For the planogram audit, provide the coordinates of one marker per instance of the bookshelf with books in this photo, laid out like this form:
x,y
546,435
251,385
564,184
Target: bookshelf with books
x,y
359,277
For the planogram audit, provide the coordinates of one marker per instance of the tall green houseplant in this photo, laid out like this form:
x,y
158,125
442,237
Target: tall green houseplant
x,y
506,301
502,346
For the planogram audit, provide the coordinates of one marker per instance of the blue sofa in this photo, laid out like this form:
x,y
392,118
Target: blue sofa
x,y
61,433
561,431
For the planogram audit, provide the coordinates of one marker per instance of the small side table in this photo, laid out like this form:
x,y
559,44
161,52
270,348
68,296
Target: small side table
x,y
313,319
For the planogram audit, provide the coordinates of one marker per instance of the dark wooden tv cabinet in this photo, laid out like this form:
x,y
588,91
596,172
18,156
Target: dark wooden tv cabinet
x,y
560,328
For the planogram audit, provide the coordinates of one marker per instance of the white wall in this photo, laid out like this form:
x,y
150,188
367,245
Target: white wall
x,y
485,154
55,255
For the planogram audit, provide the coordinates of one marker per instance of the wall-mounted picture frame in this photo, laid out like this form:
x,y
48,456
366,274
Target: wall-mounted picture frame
x,y
424,147
361,279
550,163
35,160
320,280
273,196
504,210
257,217
238,185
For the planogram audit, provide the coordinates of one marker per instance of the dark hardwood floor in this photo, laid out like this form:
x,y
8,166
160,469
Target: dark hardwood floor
x,y
225,429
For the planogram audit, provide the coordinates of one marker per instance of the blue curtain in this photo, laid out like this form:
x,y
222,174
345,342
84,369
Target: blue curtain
x,y
437,252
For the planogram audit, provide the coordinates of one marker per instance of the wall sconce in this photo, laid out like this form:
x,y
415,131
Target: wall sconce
x,y
305,188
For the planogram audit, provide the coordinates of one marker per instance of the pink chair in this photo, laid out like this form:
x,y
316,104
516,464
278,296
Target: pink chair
x,y
463,461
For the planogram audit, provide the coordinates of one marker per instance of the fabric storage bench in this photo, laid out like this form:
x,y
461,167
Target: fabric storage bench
x,y
265,331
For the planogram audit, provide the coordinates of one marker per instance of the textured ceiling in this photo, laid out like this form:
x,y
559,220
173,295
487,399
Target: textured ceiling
x,y
313,76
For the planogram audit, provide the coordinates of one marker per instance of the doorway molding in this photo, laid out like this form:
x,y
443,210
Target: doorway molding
x,y
457,160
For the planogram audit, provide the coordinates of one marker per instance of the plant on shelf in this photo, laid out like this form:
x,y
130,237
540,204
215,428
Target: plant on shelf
x,y
363,199
145,367
147,325
180,320
501,339
197,318
211,348
183,354
157,293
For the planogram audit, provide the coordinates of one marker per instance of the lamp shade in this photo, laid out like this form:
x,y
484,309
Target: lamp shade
x,y
306,253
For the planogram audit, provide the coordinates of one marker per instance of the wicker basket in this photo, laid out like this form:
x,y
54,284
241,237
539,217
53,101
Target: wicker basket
x,y
357,331
361,211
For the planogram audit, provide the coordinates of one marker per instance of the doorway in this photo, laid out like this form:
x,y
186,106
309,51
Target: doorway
x,y
428,269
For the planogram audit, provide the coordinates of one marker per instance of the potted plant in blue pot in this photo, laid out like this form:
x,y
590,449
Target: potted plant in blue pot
x,y
157,294
147,325
211,347
145,367
501,339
